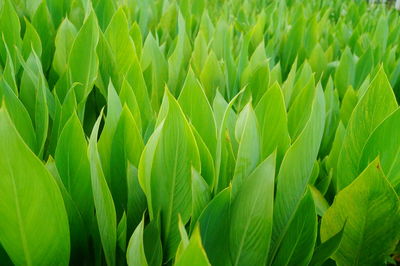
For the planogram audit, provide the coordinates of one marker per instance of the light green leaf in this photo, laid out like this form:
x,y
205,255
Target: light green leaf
x,y
121,233
165,170
9,28
207,162
379,98
345,72
214,227
127,96
370,210
248,155
384,142
201,195
295,172
192,99
103,202
272,118
26,218
194,253
121,45
64,40
251,216
114,110
44,26
179,58
18,114
136,204
73,166
127,146
31,41
135,255
155,70
298,243
300,109
200,53
212,76
82,60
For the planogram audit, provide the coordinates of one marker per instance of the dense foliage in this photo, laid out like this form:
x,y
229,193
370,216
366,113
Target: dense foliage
x,y
198,132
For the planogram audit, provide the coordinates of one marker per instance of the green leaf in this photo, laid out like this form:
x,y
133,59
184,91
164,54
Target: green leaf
x,y
272,118
349,102
201,195
212,76
380,98
121,233
165,171
318,61
114,109
9,32
35,95
300,109
207,162
104,11
77,227
369,210
73,166
256,74
26,218
248,155
121,45
82,60
194,253
325,250
136,36
292,43
136,81
214,228
44,26
9,73
177,62
127,96
200,53
192,99
31,41
136,202
321,204
58,9
384,142
127,146
135,255
331,117
298,243
152,244
64,40
251,216
103,202
364,66
345,72
18,114
154,64
295,172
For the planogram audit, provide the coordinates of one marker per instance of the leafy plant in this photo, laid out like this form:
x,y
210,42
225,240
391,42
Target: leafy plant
x,y
199,132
